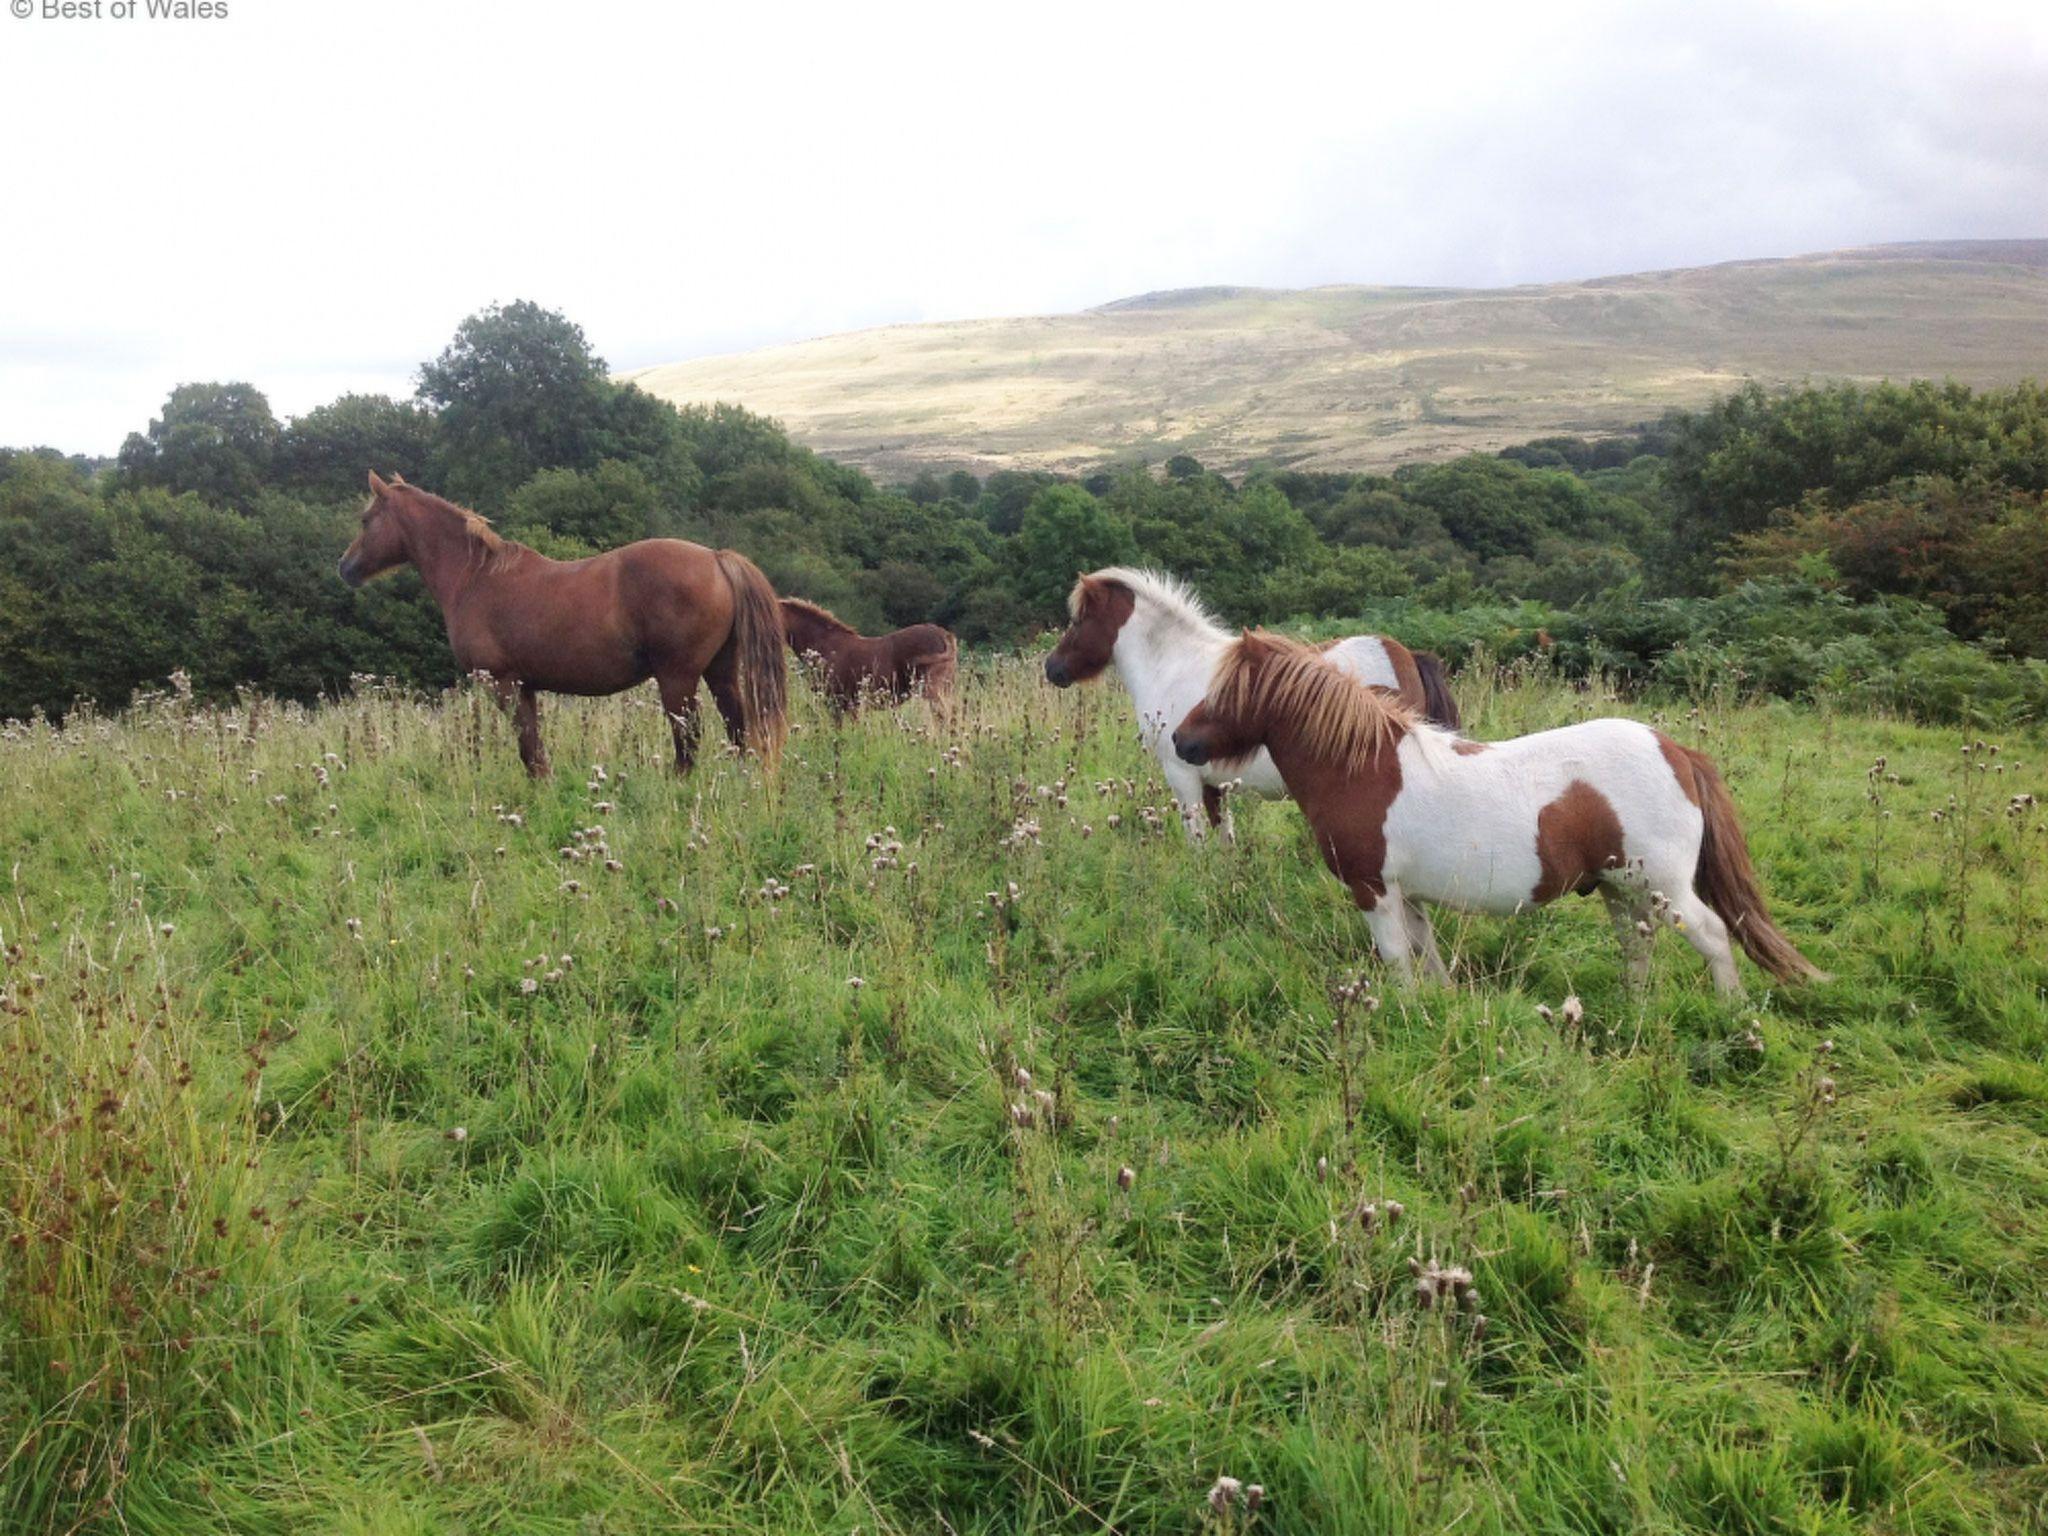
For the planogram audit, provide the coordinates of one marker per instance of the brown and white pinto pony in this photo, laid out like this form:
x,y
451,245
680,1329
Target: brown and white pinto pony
x,y
661,608
851,666
1165,645
1405,813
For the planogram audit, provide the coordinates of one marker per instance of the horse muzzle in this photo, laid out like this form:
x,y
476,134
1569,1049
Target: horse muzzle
x,y
1189,750
1057,672
350,571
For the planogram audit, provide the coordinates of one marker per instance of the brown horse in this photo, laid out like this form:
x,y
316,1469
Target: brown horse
x,y
661,608
922,658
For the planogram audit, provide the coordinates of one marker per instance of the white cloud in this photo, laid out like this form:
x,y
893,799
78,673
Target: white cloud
x,y
311,193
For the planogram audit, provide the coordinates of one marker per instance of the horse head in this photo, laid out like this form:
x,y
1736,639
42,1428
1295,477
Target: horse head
x,y
1228,724
379,545
1099,607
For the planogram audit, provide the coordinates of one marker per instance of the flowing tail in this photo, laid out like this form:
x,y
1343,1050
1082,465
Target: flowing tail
x,y
935,673
1437,700
756,644
1726,880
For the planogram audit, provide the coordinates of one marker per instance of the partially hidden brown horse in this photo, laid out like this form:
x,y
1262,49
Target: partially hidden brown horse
x,y
661,608
920,659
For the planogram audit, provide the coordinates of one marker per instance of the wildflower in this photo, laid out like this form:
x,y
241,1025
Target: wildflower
x,y
1322,1170
167,929
855,982
1023,1074
1225,1493
528,986
1126,1176
1254,1495
1572,1011
460,1133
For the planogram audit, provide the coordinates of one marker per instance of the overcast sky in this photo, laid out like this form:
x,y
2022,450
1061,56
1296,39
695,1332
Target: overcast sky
x,y
310,194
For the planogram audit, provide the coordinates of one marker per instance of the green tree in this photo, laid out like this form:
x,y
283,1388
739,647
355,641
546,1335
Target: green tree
x,y
327,451
520,390
1065,533
603,508
214,440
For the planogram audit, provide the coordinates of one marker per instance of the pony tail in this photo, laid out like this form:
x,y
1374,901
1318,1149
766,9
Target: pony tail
x,y
937,673
756,643
1726,880
1439,704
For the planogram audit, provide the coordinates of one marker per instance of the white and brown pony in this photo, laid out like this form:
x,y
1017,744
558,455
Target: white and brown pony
x,y
1165,647
1405,813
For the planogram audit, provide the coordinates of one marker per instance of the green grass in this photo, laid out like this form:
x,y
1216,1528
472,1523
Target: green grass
x,y
369,1165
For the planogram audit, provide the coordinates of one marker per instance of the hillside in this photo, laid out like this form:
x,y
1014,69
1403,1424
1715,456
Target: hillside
x,y
1371,377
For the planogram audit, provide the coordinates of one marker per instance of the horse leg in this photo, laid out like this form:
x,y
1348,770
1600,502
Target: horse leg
x,y
679,703
1387,917
1423,937
1629,910
524,703
1217,806
1191,794
1709,935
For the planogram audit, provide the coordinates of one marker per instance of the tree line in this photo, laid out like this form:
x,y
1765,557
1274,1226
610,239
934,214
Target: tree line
x,y
208,543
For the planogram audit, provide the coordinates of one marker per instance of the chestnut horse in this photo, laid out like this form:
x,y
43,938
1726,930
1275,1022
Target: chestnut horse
x,y
1165,646
922,658
1404,812
661,608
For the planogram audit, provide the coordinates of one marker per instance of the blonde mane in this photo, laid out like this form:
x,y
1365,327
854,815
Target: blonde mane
x,y
1337,718
1170,598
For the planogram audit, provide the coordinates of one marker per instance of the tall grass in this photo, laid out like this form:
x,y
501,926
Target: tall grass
x,y
932,1140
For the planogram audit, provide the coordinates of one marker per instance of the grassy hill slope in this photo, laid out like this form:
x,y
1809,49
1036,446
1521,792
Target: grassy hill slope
x,y
1364,377
369,1164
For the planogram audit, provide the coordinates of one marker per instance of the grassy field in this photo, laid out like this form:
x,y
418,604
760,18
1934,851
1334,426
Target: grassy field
x,y
1358,377
390,1145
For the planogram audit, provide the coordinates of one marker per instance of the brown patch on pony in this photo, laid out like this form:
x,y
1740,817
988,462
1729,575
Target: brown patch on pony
x,y
1407,676
1098,607
1578,837
1681,766
1333,739
1726,879
1466,748
1330,714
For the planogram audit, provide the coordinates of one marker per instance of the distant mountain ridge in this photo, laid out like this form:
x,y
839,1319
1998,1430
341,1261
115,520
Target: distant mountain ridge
x,y
1355,376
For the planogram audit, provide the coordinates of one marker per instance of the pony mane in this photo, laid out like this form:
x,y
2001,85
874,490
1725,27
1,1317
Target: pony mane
x,y
1339,719
824,616
1171,598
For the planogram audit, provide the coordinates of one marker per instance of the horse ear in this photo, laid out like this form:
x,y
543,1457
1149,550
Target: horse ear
x,y
398,479
377,485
